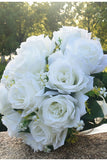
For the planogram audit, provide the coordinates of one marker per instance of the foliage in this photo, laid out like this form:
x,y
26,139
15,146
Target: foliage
x,y
2,127
94,110
19,20
101,79
71,136
2,67
8,27
93,17
105,52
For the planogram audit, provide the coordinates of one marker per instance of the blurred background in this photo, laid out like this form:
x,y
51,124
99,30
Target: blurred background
x,y
19,20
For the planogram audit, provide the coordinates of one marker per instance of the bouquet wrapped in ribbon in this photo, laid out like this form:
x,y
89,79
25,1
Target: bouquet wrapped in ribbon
x,y
45,89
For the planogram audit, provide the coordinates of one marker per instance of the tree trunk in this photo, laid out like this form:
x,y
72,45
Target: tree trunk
x,y
3,59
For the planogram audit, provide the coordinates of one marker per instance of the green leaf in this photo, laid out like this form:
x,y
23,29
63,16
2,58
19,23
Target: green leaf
x,y
19,110
89,117
26,130
95,111
48,89
71,135
46,59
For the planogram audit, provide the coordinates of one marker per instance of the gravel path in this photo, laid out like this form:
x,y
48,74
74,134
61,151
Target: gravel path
x,y
87,147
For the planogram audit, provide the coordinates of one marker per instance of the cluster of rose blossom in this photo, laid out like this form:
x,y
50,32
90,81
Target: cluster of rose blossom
x,y
42,90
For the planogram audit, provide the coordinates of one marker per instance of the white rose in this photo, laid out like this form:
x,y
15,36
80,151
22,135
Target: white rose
x,y
90,51
9,78
22,65
62,111
41,133
27,62
58,139
44,135
66,77
69,34
36,44
101,64
22,94
4,103
33,108
81,98
11,121
53,57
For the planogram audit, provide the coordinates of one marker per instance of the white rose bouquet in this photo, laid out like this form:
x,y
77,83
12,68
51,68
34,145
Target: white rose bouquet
x,y
45,89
